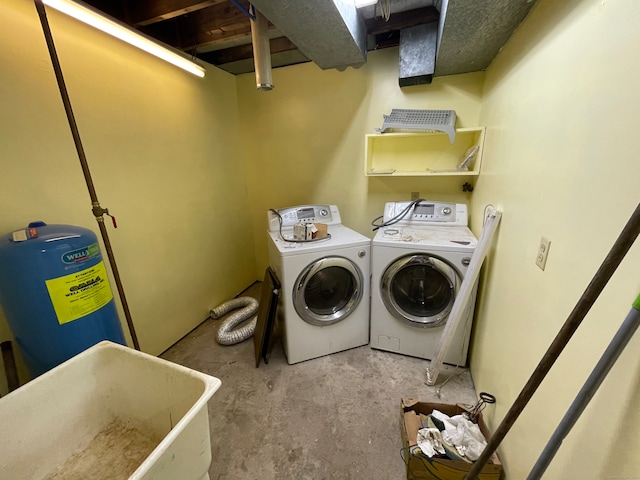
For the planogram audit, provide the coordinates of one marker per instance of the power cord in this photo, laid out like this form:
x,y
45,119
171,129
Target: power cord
x,y
385,9
397,218
486,216
295,241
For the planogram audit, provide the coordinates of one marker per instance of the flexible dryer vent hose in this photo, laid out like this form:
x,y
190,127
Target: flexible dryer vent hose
x,y
226,334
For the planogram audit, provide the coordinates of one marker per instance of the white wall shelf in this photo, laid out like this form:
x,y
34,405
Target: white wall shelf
x,y
422,153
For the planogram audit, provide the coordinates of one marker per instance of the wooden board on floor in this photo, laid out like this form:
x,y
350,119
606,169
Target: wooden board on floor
x,y
262,338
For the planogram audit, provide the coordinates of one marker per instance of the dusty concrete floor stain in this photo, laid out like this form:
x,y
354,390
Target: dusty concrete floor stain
x,y
334,417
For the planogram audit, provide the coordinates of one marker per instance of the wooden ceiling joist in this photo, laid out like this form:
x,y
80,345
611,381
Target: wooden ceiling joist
x,y
146,12
244,52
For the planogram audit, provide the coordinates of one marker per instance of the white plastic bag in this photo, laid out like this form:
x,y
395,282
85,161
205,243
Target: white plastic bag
x,y
462,434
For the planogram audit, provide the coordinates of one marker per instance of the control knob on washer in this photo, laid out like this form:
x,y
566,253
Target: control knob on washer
x,y
324,212
446,210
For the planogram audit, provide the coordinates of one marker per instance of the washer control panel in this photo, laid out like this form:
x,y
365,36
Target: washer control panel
x,y
290,216
426,212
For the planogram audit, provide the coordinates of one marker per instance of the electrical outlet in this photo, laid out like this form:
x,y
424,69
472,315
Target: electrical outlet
x,y
543,252
415,196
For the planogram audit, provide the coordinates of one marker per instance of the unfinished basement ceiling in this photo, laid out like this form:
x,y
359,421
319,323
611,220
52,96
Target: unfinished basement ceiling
x,y
331,33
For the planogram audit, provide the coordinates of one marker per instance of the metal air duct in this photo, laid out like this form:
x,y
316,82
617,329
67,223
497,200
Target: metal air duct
x,y
261,50
328,32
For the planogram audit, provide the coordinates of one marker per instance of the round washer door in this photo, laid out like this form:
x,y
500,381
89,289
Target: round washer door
x,y
420,289
328,290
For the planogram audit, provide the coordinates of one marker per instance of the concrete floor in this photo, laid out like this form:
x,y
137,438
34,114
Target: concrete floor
x,y
334,417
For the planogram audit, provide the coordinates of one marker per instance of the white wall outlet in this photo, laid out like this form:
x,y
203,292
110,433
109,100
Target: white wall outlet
x,y
543,252
415,196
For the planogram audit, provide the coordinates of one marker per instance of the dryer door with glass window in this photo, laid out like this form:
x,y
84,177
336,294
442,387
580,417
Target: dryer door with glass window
x,y
420,289
328,290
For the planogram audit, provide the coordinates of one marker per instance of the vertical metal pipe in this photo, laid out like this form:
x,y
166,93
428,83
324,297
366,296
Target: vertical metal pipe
x,y
608,359
586,301
98,211
261,51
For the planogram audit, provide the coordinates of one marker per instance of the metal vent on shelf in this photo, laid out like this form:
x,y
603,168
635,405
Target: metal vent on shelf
x,y
425,120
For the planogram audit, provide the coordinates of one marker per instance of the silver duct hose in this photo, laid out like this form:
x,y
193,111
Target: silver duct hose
x,y
226,334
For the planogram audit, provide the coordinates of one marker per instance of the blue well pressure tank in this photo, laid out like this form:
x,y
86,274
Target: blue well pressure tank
x,y
55,293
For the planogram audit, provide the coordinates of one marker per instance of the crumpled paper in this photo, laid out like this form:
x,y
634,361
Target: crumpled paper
x,y
430,441
462,434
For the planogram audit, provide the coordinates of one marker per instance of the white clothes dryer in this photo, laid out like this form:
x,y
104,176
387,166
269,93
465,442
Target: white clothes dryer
x,y
324,301
418,264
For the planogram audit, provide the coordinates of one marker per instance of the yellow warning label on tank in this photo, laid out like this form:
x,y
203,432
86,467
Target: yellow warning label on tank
x,y
79,294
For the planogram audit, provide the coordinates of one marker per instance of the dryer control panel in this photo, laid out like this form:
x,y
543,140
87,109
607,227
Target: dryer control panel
x,y
291,216
426,212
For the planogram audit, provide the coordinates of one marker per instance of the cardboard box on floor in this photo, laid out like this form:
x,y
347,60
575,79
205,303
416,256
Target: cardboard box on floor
x,y
420,467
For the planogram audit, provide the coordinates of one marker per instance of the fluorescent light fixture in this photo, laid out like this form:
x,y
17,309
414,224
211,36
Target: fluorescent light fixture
x,y
364,3
124,33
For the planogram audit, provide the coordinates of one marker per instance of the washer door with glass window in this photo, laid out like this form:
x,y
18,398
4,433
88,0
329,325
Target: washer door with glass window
x,y
420,289
328,290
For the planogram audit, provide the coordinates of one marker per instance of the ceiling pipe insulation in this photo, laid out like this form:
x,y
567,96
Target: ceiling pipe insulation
x,y
333,33
472,33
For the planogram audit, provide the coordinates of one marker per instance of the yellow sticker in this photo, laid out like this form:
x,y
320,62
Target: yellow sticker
x,y
79,294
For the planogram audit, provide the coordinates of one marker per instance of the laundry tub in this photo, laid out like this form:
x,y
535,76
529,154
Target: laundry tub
x,y
109,412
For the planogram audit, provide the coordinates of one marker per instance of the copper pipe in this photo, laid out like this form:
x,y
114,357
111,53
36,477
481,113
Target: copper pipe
x,y
98,211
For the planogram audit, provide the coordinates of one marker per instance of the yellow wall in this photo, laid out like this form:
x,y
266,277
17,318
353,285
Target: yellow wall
x,y
304,140
561,105
161,146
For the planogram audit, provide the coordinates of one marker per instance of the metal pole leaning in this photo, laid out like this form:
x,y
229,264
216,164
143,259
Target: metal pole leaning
x,y
586,301
97,210
602,368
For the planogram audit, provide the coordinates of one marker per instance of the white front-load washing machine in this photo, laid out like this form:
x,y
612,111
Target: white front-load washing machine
x,y
324,301
420,254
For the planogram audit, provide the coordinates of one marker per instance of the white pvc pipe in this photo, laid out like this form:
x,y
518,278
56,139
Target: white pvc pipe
x,y
462,299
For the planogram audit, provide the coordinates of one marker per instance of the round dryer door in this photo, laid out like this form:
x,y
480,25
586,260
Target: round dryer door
x,y
420,289
327,291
